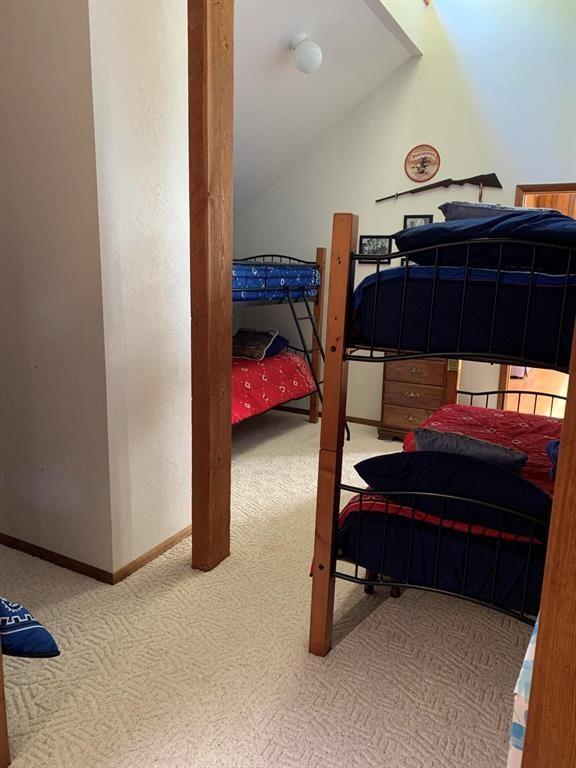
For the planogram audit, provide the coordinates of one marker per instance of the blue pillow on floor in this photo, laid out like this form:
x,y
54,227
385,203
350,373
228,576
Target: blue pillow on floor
x,y
21,635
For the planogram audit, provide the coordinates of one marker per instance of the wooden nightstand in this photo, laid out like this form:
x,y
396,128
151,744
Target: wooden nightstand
x,y
412,390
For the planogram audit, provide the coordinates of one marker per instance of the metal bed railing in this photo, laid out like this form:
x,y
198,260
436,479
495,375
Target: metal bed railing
x,y
369,350
527,545
483,399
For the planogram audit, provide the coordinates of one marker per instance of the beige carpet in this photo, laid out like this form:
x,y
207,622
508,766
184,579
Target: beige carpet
x,y
175,669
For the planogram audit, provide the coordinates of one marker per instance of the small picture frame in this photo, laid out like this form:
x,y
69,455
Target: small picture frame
x,y
375,245
417,220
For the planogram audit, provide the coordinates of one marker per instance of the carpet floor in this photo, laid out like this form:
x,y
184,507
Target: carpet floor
x,y
178,669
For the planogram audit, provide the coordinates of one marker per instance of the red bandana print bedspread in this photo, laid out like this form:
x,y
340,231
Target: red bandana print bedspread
x,y
258,385
525,432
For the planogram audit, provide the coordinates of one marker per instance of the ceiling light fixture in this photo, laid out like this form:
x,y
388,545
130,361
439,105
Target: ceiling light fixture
x,y
307,54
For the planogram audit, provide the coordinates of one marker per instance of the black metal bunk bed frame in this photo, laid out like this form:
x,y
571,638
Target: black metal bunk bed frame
x,y
344,347
288,298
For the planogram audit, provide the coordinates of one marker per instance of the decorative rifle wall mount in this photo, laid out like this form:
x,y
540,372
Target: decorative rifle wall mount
x,y
481,181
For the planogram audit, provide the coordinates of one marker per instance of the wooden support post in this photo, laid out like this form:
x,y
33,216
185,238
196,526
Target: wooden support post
x,y
210,98
551,730
4,748
318,317
344,242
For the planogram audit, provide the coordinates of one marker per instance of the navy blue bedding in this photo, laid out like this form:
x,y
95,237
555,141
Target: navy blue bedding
x,y
551,317
481,554
254,281
550,228
408,472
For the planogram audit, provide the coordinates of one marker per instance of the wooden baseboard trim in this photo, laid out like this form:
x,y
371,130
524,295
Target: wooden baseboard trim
x,y
304,412
53,557
99,574
151,554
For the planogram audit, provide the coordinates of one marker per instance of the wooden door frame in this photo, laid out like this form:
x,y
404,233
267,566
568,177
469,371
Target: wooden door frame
x,y
530,189
210,136
521,191
551,735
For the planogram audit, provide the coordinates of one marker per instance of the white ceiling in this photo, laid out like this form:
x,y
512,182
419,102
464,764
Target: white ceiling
x,y
280,112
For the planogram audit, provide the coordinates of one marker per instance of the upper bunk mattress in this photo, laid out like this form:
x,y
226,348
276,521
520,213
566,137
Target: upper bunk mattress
x,y
255,281
504,315
258,385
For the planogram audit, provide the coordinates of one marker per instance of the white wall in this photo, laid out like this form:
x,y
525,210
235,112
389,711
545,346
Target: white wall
x,y
494,91
139,71
54,486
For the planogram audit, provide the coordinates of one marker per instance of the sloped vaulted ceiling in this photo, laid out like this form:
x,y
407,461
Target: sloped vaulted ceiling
x,y
280,112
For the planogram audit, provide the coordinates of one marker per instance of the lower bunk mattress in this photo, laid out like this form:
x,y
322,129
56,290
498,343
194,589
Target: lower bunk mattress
x,y
258,385
501,567
257,281
507,314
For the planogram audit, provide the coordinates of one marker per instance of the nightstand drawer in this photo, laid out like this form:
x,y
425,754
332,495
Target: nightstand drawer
x,y
417,371
412,395
404,419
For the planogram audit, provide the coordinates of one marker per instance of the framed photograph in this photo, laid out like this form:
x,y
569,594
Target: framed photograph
x,y
375,245
414,220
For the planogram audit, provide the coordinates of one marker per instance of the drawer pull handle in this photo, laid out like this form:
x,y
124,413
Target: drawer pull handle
x,y
409,393
410,418
416,371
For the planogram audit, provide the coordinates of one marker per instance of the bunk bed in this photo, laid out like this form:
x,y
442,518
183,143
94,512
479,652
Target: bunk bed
x,y
294,372
436,521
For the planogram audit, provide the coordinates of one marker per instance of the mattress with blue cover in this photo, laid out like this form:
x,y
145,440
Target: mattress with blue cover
x,y
254,281
493,321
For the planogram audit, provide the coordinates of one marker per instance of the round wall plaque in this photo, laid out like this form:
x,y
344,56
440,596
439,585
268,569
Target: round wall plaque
x,y
422,162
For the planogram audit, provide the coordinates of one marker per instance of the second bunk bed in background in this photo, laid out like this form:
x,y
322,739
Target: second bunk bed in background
x,y
272,372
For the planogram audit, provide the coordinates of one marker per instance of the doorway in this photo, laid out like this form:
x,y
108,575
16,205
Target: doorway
x,y
561,197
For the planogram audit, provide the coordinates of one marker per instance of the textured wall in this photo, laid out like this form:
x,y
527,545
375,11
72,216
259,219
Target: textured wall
x,y
494,91
54,488
139,72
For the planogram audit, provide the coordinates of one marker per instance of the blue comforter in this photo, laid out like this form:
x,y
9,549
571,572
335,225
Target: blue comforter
x,y
547,228
481,312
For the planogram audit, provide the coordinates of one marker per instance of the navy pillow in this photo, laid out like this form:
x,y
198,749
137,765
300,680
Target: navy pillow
x,y
459,210
278,345
22,635
549,227
446,473
553,449
453,442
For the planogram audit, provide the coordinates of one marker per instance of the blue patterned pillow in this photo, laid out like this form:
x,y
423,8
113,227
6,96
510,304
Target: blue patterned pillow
x,y
22,635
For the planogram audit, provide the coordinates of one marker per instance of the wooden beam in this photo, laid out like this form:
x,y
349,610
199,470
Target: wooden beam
x,y
210,98
318,317
4,747
344,242
551,730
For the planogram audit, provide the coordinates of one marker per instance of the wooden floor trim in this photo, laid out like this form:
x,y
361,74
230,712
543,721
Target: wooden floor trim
x,y
151,554
304,412
99,574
